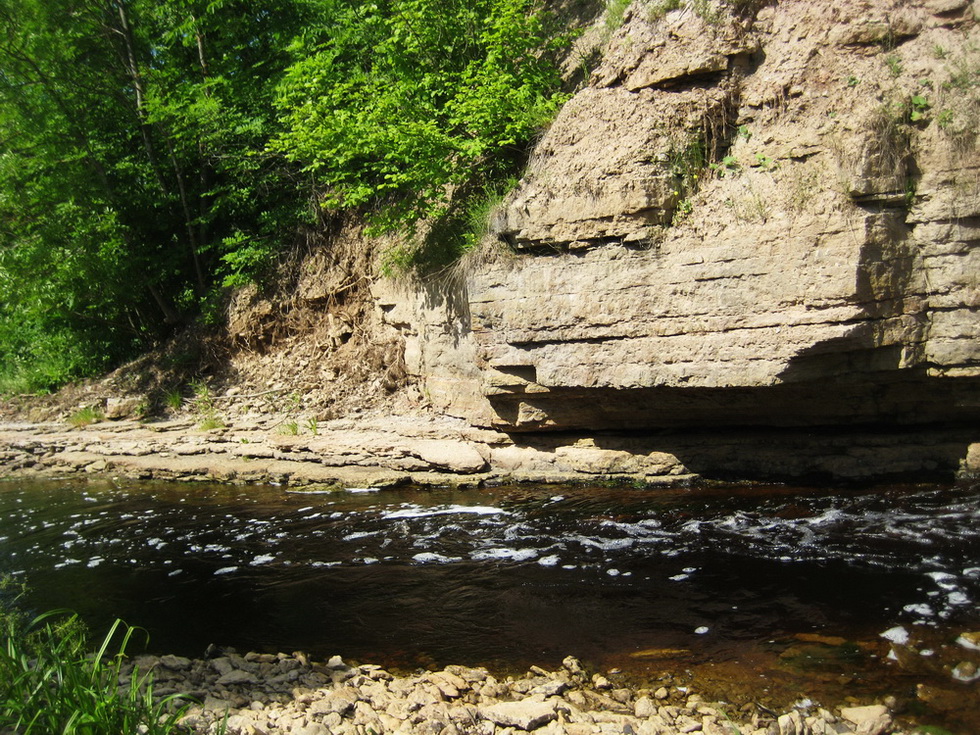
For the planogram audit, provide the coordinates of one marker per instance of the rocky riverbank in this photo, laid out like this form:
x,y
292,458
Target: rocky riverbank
x,y
258,694
378,449
367,449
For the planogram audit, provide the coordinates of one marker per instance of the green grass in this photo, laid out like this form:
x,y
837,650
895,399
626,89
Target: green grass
x,y
86,416
204,406
174,399
660,9
51,683
479,209
615,14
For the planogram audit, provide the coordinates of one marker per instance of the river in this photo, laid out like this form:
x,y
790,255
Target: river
x,y
775,589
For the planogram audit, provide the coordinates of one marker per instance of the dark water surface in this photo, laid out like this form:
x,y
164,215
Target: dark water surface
x,y
753,577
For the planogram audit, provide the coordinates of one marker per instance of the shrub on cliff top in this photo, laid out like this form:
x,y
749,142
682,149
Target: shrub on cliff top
x,y
397,104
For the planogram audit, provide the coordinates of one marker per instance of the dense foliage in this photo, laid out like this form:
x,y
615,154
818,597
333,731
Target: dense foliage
x,y
152,151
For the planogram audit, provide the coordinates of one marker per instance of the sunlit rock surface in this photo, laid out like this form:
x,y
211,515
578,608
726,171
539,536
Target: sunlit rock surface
x,y
764,223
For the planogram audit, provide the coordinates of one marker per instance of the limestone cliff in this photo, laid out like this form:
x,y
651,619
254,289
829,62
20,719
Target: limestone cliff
x,y
747,245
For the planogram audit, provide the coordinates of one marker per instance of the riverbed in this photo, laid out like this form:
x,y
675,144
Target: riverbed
x,y
760,591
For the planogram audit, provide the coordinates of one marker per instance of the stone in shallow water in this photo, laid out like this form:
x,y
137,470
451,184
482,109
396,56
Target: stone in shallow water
x,y
970,639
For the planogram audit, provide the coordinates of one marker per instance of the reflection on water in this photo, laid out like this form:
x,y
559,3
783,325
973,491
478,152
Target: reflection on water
x,y
505,576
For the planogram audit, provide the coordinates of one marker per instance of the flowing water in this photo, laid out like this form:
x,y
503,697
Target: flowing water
x,y
767,589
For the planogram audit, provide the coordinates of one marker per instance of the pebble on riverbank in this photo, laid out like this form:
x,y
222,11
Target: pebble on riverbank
x,y
264,694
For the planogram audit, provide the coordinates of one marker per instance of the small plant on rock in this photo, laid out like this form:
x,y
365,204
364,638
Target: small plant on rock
x,y
728,165
203,404
918,108
660,9
85,416
615,14
894,65
766,163
173,399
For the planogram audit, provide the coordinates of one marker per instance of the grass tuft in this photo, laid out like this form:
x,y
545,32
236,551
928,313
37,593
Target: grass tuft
x,y
50,683
85,416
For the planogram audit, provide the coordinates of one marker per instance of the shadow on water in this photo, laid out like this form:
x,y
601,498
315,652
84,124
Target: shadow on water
x,y
757,592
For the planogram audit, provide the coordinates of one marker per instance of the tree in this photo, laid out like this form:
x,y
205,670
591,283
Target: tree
x,y
401,104
132,152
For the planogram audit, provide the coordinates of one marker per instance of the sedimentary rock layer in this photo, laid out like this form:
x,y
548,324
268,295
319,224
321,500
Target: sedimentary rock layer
x,y
765,219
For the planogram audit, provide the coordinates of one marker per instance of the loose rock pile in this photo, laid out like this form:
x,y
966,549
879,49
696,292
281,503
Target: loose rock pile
x,y
263,694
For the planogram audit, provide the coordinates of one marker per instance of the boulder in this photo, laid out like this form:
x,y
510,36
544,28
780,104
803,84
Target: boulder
x,y
445,454
524,715
123,407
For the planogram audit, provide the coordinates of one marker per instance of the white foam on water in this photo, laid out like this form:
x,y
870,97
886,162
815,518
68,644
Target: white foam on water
x,y
920,608
319,564
431,557
504,553
175,572
94,562
226,570
833,515
957,598
303,510
357,490
701,630
679,577
416,511
615,544
67,563
898,635
359,535
944,579
613,572
261,559
549,561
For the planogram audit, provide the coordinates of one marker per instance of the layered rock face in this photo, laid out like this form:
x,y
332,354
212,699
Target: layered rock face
x,y
761,221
